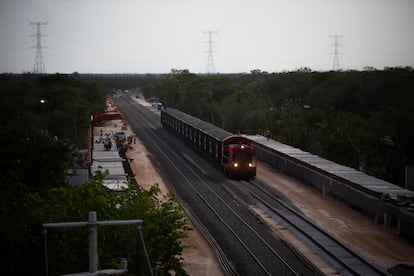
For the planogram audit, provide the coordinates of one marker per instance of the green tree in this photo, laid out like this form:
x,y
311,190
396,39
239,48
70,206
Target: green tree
x,y
378,101
291,124
60,104
33,186
164,226
35,158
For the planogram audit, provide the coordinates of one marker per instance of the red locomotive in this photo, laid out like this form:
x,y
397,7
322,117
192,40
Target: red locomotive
x,y
233,153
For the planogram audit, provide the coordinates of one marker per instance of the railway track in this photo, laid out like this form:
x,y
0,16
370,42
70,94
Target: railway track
x,y
340,257
243,245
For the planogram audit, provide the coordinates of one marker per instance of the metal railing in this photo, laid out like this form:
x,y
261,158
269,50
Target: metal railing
x,y
92,224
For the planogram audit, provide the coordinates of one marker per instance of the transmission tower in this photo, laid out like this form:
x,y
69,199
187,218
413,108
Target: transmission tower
x,y
336,53
210,69
39,63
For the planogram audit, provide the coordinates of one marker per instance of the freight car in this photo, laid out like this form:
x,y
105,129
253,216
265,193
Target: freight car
x,y
232,153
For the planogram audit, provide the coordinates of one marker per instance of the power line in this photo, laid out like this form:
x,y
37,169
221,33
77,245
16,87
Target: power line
x,y
39,63
336,53
210,68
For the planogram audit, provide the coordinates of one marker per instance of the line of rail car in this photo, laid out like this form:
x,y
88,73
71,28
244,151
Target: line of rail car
x,y
234,154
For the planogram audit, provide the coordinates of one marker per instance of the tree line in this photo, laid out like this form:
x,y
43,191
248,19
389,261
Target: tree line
x,y
361,119
45,121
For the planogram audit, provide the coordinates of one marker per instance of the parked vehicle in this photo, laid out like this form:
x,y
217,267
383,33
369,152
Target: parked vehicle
x,y
120,135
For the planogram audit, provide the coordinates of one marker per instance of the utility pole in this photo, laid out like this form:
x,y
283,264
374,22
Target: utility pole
x,y
336,53
210,69
39,64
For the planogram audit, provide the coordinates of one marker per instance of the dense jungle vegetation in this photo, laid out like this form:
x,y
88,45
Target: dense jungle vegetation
x,y
45,120
362,119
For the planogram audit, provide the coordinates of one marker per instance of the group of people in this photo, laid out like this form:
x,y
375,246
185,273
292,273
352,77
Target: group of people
x,y
107,144
107,141
132,138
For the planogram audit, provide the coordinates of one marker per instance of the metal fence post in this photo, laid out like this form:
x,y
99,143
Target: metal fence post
x,y
93,242
92,225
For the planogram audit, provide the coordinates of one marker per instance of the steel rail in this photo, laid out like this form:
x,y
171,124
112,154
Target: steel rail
x,y
359,267
202,197
152,139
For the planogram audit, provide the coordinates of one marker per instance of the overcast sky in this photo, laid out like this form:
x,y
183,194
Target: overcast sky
x,y
154,36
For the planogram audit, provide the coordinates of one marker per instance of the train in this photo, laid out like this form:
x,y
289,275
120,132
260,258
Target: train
x,y
233,154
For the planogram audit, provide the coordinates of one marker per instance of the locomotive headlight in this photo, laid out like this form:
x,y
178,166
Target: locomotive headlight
x,y
235,164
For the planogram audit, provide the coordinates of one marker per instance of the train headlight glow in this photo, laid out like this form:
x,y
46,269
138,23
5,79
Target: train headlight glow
x,y
235,165
250,165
